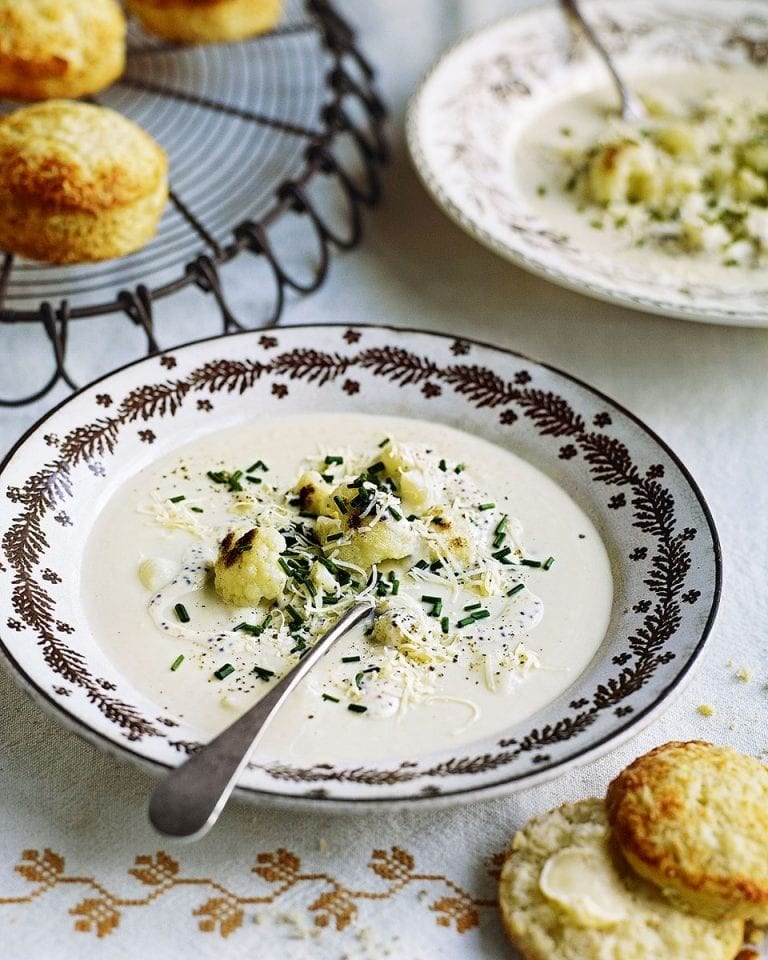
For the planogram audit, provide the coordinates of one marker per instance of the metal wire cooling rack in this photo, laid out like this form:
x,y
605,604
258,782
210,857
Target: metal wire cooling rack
x,y
255,132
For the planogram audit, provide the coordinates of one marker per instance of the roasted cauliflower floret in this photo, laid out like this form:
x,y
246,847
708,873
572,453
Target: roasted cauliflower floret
x,y
315,495
415,476
247,569
451,535
400,626
387,539
624,172
326,527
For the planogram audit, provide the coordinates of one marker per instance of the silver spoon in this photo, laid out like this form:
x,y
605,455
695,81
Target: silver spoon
x,y
188,801
632,108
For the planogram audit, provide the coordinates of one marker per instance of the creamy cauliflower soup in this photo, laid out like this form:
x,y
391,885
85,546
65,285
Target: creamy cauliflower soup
x,y
229,557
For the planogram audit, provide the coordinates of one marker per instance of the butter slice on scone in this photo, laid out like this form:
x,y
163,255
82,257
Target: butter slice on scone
x,y
565,896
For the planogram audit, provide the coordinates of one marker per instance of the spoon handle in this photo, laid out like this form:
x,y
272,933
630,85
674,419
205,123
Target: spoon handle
x,y
188,801
631,107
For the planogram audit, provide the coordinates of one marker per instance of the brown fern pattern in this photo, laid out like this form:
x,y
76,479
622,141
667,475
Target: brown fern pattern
x,y
337,906
607,458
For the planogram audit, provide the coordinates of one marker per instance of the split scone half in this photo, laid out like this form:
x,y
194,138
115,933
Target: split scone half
x,y
59,48
206,21
564,895
693,819
78,183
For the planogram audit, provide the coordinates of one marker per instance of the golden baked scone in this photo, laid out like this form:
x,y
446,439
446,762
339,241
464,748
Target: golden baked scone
x,y
565,896
77,183
206,21
693,819
59,48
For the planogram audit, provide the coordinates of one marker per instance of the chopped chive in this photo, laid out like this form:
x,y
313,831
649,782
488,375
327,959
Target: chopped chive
x,y
384,442
181,613
334,537
422,565
499,539
329,565
197,509
328,599
376,467
294,614
502,555
481,614
266,622
434,567
411,517
217,476
177,662
340,504
445,624
548,563
443,465
177,499
466,621
328,477
334,460
459,468
437,609
486,506
248,628
243,547
359,680
501,526
259,465
428,599
395,587
530,563
381,589
223,671
350,659
473,606
357,708
283,564
263,674
395,514
327,696
391,576
253,479
516,589
311,588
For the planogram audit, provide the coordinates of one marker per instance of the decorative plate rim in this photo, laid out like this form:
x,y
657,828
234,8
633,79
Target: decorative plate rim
x,y
454,794
756,317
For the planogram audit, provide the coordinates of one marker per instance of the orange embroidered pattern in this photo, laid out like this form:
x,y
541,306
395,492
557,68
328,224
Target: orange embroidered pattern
x,y
335,907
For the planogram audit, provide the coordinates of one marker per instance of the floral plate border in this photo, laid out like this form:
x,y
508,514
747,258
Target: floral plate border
x,y
489,86
659,532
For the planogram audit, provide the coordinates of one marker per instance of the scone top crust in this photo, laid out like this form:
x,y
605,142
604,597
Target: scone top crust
x,y
180,4
50,38
693,817
596,908
76,156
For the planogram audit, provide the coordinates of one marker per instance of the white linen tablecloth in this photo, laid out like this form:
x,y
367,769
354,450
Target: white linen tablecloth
x,y
82,874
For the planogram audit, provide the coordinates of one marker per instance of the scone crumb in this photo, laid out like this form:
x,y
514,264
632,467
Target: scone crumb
x,y
744,674
756,936
322,845
748,954
706,710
